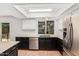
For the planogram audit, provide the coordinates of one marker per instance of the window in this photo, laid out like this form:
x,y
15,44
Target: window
x,y
46,27
5,31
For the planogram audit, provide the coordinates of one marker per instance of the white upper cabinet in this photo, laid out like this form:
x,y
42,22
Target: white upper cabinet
x,y
29,24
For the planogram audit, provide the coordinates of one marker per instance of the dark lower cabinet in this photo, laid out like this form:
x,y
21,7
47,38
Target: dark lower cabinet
x,y
53,43
13,51
47,43
60,46
42,43
24,42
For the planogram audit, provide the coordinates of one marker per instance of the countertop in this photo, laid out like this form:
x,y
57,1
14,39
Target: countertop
x,y
6,45
40,35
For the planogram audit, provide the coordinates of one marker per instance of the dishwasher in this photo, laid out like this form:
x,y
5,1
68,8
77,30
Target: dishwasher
x,y
33,43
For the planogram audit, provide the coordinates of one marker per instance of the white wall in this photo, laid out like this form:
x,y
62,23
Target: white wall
x,y
71,11
16,23
16,28
0,32
60,28
56,27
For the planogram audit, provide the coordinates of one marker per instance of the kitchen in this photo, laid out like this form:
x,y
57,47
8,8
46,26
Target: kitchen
x,y
29,29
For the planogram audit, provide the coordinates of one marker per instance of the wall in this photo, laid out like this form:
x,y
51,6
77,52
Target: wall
x,y
71,11
16,23
16,27
0,32
60,28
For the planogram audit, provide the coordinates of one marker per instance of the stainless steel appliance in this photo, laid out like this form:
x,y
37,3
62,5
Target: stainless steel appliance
x,y
33,43
71,36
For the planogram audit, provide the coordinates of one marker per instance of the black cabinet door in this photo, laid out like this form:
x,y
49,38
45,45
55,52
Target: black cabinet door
x,y
24,42
48,44
42,43
60,45
54,43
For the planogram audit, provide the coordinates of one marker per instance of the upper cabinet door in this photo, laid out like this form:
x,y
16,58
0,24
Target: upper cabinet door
x,y
41,27
46,27
5,28
29,24
50,27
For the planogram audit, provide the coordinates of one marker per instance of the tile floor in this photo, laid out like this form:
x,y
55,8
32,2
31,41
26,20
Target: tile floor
x,y
38,53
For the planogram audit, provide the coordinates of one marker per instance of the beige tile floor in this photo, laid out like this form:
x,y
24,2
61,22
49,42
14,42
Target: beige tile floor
x,y
38,53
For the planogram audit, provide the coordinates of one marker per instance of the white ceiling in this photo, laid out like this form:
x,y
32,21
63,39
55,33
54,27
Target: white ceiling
x,y
57,9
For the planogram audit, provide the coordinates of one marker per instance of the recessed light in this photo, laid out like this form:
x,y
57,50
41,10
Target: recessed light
x,y
40,10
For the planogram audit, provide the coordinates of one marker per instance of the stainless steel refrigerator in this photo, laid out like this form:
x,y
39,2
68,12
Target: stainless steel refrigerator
x,y
71,36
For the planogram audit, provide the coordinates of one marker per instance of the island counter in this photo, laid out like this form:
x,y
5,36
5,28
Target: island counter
x,y
9,48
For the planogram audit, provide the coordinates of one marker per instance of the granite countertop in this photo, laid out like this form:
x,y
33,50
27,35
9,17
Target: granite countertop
x,y
6,45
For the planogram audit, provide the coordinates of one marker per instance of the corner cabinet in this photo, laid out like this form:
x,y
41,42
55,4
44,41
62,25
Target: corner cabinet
x,y
24,42
60,46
